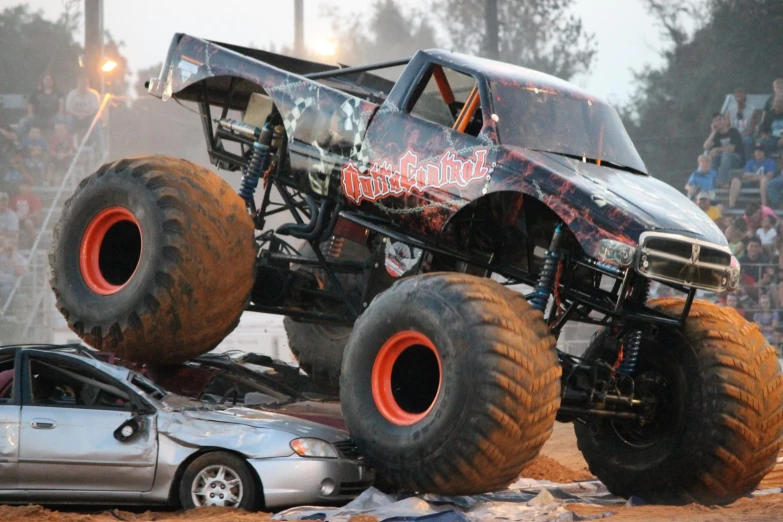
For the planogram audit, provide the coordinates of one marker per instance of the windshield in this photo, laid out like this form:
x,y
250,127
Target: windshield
x,y
543,120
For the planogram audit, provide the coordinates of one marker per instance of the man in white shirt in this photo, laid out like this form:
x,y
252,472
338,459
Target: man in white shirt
x,y
743,117
81,105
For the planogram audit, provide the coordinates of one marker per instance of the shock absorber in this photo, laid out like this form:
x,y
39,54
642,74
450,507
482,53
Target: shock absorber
x,y
633,340
260,159
546,279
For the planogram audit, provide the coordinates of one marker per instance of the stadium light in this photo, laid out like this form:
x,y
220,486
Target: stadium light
x,y
109,66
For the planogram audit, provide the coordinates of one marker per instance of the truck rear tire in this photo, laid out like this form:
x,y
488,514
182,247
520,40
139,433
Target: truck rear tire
x,y
450,384
319,350
720,431
153,259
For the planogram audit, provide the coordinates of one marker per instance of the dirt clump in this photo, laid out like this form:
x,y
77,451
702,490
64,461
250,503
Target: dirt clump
x,y
547,468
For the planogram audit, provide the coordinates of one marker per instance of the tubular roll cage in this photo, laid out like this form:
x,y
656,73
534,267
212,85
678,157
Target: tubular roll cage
x,y
579,305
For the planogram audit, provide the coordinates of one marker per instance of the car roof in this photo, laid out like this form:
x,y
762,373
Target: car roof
x,y
73,351
503,72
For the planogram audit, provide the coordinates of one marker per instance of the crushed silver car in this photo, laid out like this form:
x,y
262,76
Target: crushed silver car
x,y
74,429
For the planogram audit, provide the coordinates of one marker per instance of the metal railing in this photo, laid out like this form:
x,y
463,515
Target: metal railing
x,y
32,263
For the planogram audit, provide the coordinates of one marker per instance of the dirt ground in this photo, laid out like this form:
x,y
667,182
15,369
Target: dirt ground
x,y
560,461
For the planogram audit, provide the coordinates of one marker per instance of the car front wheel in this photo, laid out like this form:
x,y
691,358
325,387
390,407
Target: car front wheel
x,y
219,479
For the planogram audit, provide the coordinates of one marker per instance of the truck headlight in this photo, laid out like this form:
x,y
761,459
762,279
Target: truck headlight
x,y
734,274
306,447
615,252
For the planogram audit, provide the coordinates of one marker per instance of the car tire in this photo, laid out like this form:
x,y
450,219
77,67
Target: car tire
x,y
450,384
720,431
205,471
153,258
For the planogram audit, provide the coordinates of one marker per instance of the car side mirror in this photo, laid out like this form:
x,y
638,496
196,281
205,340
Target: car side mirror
x,y
131,427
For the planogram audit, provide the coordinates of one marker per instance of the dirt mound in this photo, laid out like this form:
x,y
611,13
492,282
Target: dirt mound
x,y
547,468
40,514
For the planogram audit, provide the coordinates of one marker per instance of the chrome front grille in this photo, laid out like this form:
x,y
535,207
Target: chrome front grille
x,y
347,449
679,259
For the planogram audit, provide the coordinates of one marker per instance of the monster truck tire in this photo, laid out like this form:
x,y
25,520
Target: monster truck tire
x,y
153,259
450,384
720,431
319,350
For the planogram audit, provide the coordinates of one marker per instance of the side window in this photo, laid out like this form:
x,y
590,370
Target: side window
x,y
449,98
73,386
7,380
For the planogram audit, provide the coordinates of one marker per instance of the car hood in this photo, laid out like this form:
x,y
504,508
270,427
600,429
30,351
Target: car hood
x,y
599,202
269,421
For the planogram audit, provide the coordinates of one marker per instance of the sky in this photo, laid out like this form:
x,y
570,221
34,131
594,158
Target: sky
x,y
626,35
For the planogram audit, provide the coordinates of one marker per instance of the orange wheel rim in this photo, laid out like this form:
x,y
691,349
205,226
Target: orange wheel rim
x,y
90,249
382,391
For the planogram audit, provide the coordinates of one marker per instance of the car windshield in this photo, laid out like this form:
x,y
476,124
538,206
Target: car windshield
x,y
551,121
147,386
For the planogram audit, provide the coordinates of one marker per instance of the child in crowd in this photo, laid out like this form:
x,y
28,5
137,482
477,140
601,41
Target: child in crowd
x,y
732,301
735,234
14,175
702,179
27,207
767,233
61,148
765,317
36,160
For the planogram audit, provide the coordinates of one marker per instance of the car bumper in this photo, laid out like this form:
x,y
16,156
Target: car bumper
x,y
293,480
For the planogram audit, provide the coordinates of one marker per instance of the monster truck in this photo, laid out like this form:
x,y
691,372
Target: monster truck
x,y
405,210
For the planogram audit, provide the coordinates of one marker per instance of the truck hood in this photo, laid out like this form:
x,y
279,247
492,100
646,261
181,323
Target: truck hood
x,y
601,202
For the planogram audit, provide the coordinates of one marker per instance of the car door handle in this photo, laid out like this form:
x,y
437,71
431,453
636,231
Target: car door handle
x,y
43,424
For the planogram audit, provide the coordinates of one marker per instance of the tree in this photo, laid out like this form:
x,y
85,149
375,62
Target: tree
x,y
538,34
391,33
31,46
731,43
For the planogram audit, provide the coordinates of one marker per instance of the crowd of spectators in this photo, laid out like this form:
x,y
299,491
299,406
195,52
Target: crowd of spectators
x,y
743,155
35,152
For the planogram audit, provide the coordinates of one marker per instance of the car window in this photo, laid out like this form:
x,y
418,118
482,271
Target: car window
x,y
449,98
74,386
7,380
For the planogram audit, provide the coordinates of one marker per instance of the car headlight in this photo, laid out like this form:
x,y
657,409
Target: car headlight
x,y
306,447
615,252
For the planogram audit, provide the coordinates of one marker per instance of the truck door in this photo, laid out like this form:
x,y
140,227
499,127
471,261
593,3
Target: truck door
x,y
426,152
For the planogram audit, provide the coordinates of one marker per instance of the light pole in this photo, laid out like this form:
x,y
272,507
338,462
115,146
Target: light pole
x,y
299,28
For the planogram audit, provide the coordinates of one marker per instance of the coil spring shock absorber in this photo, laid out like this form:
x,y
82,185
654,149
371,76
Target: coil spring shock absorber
x,y
336,246
633,340
546,278
259,162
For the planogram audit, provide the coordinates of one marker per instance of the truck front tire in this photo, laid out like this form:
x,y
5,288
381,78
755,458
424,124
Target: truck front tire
x,y
153,259
450,384
718,429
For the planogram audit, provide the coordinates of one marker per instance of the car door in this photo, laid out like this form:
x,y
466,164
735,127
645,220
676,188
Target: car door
x,y
70,412
427,151
10,406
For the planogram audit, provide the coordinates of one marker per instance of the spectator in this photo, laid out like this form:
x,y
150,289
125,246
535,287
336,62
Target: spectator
x,y
767,233
724,147
771,127
732,301
9,142
702,179
753,214
754,259
27,207
9,223
43,106
758,171
777,340
14,175
777,90
704,200
742,115
765,317
735,235
36,155
11,266
82,105
61,148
